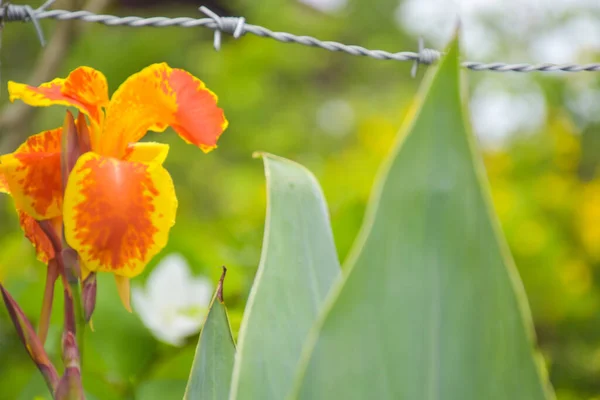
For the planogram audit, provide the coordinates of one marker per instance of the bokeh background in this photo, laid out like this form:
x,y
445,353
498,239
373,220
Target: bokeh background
x,y
336,114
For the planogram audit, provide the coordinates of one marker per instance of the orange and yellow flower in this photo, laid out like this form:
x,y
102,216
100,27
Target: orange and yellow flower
x,y
118,203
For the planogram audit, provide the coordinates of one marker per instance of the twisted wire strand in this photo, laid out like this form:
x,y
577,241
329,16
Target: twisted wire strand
x,y
236,26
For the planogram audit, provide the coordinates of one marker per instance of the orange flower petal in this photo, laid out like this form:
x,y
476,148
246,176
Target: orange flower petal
x,y
147,152
85,88
37,237
157,97
33,175
117,213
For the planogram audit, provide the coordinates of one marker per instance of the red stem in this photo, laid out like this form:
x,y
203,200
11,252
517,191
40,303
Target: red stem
x,y
51,277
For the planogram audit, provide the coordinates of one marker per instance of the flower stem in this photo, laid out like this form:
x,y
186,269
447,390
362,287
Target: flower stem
x,y
79,318
51,276
74,317
68,267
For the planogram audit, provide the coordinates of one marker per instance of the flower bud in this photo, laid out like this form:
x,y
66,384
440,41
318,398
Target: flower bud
x,y
70,151
89,296
70,386
30,340
83,132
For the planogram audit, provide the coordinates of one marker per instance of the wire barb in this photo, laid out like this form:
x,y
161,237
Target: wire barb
x,y
18,12
424,56
232,25
237,27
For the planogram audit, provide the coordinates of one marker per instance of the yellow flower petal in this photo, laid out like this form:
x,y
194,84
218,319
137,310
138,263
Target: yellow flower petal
x,y
147,152
157,97
85,272
85,88
117,214
124,291
32,174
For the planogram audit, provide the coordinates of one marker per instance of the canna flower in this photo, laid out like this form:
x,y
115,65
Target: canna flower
x,y
116,202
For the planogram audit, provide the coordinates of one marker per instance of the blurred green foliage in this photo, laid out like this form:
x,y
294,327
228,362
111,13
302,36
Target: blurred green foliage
x,y
278,98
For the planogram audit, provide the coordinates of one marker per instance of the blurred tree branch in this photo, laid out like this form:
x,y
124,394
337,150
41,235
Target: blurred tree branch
x,y
15,118
219,6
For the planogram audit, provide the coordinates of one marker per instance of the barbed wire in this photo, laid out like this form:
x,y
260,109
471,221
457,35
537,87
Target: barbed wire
x,y
238,27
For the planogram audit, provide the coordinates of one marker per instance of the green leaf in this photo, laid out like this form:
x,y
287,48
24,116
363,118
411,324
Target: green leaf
x,y
210,377
298,266
432,306
590,152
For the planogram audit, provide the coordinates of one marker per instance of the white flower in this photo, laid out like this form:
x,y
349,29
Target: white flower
x,y
336,117
535,30
501,107
174,303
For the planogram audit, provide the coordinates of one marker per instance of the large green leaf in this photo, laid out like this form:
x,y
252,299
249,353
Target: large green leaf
x,y
210,377
298,266
432,307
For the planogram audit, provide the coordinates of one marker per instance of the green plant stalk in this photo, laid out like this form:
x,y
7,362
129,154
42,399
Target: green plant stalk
x,y
69,259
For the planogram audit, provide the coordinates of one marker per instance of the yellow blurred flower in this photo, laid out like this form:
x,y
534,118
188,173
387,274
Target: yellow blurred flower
x,y
554,191
588,218
576,276
567,148
504,199
531,237
376,135
497,163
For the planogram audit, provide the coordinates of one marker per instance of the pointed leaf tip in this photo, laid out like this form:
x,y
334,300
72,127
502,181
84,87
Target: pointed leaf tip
x,y
210,377
220,286
447,302
457,29
298,266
